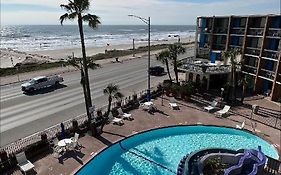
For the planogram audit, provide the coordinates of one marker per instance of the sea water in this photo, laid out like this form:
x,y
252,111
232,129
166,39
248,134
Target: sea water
x,y
49,37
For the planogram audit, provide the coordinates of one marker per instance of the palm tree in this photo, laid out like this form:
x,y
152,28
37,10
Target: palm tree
x,y
164,57
112,91
246,82
232,56
175,50
77,9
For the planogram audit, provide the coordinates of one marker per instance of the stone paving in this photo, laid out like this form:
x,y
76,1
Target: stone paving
x,y
190,113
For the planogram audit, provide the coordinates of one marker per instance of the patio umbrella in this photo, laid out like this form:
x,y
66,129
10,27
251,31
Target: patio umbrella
x,y
62,131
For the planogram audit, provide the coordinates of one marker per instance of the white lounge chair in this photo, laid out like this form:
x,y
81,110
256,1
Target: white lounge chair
x,y
211,107
222,112
24,164
241,126
114,120
75,142
124,115
174,105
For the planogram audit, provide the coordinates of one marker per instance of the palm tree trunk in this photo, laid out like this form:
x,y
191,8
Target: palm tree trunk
x,y
168,70
108,111
243,93
86,76
176,71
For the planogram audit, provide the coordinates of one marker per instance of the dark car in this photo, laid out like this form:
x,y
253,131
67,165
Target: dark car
x,y
156,70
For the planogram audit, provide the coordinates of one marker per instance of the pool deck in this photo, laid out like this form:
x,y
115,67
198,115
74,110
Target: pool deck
x,y
190,113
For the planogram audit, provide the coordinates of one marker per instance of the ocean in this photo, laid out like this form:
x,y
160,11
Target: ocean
x,y
52,37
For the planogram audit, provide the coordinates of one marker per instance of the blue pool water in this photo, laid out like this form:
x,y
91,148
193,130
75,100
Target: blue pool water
x,y
159,151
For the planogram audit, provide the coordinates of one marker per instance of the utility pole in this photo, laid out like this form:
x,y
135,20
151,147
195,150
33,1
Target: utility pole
x,y
133,47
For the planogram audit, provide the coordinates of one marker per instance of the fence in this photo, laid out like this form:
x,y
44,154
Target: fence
x,y
21,144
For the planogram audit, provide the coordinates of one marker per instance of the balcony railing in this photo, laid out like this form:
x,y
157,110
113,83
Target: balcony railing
x,y
255,32
237,31
253,51
249,69
267,74
273,32
270,54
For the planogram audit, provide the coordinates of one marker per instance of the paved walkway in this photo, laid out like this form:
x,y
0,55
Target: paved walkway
x,y
190,113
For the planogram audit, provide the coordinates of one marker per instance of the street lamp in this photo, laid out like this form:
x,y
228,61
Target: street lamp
x,y
146,21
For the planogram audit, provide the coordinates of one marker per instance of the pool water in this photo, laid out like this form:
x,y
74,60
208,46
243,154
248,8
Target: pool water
x,y
159,151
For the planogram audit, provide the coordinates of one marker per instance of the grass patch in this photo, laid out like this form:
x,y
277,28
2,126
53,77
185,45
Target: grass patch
x,y
29,68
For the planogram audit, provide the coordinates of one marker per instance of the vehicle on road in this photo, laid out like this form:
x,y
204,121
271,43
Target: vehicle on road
x,y
156,70
41,82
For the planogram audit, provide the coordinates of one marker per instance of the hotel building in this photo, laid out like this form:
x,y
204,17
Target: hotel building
x,y
257,36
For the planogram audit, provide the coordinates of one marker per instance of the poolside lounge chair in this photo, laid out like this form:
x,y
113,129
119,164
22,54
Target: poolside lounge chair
x,y
241,126
124,115
223,112
174,106
114,120
24,164
75,142
211,107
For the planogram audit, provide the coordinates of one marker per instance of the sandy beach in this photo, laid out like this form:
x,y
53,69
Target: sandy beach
x,y
63,54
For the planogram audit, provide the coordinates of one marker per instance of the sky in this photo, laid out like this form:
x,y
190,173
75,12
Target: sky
x,y
115,12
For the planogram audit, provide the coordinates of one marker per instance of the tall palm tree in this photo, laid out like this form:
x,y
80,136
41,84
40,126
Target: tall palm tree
x,y
232,56
77,9
112,91
175,50
164,57
246,82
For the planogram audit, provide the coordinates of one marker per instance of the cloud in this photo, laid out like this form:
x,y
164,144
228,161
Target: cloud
x,y
160,11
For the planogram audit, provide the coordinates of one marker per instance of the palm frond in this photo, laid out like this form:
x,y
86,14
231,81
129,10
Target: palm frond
x,y
66,7
72,15
118,95
63,17
73,62
93,20
163,56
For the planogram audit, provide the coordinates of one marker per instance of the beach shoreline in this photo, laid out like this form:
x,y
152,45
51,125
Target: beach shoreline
x,y
9,57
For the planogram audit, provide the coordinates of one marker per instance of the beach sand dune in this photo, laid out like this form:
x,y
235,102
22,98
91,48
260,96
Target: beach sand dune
x,y
10,58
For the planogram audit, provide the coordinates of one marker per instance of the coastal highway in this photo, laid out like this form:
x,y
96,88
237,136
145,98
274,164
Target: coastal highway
x,y
22,114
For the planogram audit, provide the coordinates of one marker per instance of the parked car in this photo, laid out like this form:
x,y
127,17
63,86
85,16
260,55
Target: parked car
x,y
156,70
41,82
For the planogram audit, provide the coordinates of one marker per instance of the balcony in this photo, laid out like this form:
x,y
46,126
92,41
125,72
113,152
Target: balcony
x,y
218,46
237,31
249,69
255,32
203,53
267,74
206,30
274,33
279,78
270,54
220,31
252,51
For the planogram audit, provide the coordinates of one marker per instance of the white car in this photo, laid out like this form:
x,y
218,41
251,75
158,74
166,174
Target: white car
x,y
41,82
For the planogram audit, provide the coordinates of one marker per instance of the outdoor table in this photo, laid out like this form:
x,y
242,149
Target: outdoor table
x,y
64,142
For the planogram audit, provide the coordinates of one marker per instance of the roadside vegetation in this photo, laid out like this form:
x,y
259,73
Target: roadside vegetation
x,y
23,68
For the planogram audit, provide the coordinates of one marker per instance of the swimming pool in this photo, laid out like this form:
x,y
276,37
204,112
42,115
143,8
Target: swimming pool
x,y
159,151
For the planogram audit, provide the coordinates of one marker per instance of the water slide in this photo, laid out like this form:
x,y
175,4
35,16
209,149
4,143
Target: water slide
x,y
236,169
260,164
249,155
